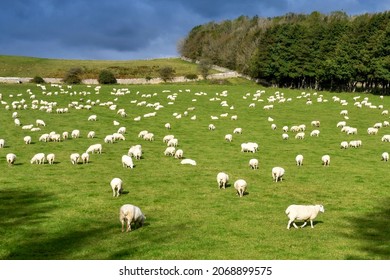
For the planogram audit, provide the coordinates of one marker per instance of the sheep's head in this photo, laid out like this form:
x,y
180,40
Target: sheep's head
x,y
322,209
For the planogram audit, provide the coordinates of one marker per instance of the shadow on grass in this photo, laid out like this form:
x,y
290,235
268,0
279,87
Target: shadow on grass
x,y
372,231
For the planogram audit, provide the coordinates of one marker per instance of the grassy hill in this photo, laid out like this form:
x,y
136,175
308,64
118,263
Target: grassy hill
x,y
20,66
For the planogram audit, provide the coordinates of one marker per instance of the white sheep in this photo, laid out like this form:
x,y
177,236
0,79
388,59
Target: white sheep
x,y
117,186
27,139
386,138
50,158
167,126
131,214
240,185
237,130
142,133
92,118
109,139
38,158
188,161
277,173
11,158
299,160
211,127
122,130
135,151
170,151
2,143
179,154
91,134
303,213
173,142
229,137
300,135
285,136
344,145
40,123
315,132
325,160
74,158
85,157
95,148
385,156
222,179
127,161
249,147
254,163
167,138
118,136
273,126
75,133
149,136
315,123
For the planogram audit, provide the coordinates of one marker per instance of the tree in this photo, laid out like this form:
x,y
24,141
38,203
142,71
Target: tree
x,y
204,67
106,77
73,76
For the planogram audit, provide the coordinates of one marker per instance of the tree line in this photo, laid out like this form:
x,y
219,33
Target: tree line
x,y
333,51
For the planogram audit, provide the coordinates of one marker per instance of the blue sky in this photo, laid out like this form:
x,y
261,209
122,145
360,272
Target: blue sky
x,y
135,29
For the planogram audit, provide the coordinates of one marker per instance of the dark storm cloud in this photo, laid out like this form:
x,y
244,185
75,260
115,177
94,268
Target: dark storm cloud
x,y
130,29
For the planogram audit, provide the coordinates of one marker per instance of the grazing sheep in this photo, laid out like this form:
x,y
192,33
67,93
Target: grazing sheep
x,y
229,137
254,163
325,160
85,158
95,148
40,123
237,130
74,158
344,145
142,133
50,158
2,143
75,133
135,151
167,138
118,136
304,213
131,214
386,138
285,136
116,185
11,158
240,185
109,139
211,127
173,142
315,123
315,132
127,161
299,160
92,118
273,126
188,161
248,147
27,139
17,122
372,131
38,158
65,135
222,180
277,173
121,130
300,135
170,151
167,126
149,136
91,134
179,154
385,156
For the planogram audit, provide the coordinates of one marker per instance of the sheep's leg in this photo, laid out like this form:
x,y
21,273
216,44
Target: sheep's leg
x,y
295,225
311,223
304,224
288,224
128,226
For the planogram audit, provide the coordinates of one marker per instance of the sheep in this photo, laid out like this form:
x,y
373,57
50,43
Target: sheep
x,y
315,132
2,143
179,154
285,128
211,127
50,158
188,161
121,130
44,137
116,185
240,185
170,151
95,148
74,158
38,158
222,180
385,156
131,214
167,126
75,133
299,160
344,145
127,161
11,158
315,123
372,131
92,118
229,137
285,136
303,212
17,122
173,142
237,130
91,134
300,135
248,147
135,151
109,139
65,135
168,137
341,124
85,157
386,138
273,126
149,136
277,173
142,133
254,163
325,160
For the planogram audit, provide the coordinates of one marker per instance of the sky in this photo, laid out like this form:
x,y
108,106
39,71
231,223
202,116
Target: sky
x,y
135,29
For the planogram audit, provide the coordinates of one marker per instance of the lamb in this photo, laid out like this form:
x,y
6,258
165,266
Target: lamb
x,y
325,160
254,163
188,161
74,158
127,161
95,148
222,180
385,156
116,185
131,214
85,158
303,212
240,185
299,160
50,158
38,158
11,158
277,173
229,137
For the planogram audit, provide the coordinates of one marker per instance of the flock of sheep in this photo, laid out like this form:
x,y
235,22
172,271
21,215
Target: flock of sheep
x,y
132,214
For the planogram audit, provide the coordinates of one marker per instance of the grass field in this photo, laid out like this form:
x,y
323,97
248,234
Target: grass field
x,y
20,66
66,211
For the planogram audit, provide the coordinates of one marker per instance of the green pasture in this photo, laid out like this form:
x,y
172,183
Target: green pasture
x,y
66,211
